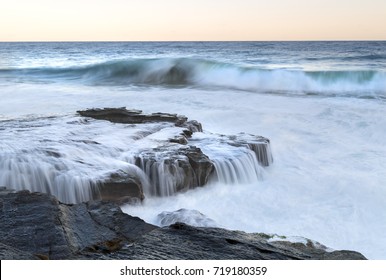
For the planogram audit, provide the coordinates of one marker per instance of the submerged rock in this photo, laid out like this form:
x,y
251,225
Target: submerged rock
x,y
38,226
186,216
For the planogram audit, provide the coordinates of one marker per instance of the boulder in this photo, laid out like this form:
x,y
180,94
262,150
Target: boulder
x,y
186,216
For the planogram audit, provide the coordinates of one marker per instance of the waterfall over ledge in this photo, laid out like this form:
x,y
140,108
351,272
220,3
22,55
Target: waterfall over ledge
x,y
124,155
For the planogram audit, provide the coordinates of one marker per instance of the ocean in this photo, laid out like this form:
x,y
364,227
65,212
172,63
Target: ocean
x,y
321,104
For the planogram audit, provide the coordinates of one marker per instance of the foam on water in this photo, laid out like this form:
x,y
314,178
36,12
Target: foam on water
x,y
206,73
68,156
327,180
233,164
190,217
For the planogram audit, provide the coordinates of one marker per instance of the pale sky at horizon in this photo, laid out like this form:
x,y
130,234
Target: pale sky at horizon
x,y
190,20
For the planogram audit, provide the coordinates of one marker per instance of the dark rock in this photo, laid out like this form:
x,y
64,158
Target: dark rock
x,y
30,223
190,217
37,226
120,187
172,170
180,241
11,253
201,164
178,164
260,145
111,216
342,255
41,227
192,126
122,115
179,139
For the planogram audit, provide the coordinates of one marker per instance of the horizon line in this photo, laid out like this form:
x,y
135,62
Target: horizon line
x,y
188,41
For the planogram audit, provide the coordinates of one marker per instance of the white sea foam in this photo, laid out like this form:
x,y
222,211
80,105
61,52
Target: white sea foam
x,y
326,183
205,73
327,180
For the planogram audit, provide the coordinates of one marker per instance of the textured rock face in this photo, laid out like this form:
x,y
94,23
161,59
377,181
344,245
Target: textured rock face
x,y
186,216
144,155
121,187
179,163
37,226
174,170
40,226
258,144
180,241
169,168
122,115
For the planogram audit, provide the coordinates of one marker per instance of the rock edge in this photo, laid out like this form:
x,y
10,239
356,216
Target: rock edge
x,y
38,226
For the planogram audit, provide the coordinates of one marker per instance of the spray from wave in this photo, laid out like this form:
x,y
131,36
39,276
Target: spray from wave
x,y
189,72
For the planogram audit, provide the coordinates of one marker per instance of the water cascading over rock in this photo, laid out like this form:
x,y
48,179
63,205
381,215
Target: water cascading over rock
x,y
38,173
172,171
136,156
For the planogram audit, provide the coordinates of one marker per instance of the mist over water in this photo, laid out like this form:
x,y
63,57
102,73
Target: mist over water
x,y
322,110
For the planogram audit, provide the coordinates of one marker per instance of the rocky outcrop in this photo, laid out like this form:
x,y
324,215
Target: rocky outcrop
x,y
144,155
178,163
41,227
120,187
172,170
186,216
181,241
258,144
169,168
122,115
38,226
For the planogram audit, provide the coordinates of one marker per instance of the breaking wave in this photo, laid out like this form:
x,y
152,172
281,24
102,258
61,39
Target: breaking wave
x,y
190,72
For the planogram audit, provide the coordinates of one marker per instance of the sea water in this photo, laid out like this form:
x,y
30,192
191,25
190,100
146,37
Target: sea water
x,y
321,104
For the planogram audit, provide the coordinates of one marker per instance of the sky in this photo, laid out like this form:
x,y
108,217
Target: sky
x,y
191,20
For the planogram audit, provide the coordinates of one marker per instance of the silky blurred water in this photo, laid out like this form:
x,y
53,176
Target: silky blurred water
x,y
322,105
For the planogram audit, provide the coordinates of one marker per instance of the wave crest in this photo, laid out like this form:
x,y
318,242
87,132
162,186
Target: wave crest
x,y
204,73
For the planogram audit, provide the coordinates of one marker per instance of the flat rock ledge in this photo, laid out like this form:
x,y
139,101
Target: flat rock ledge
x,y
38,226
177,164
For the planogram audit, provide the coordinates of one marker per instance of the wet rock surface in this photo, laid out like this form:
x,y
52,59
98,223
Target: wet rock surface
x,y
41,227
179,163
123,115
120,155
38,226
174,170
121,188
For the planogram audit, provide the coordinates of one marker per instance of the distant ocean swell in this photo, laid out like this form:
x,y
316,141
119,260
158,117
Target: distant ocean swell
x,y
203,73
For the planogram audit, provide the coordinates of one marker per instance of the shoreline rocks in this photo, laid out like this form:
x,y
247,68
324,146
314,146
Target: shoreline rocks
x,y
38,226
179,164
121,155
